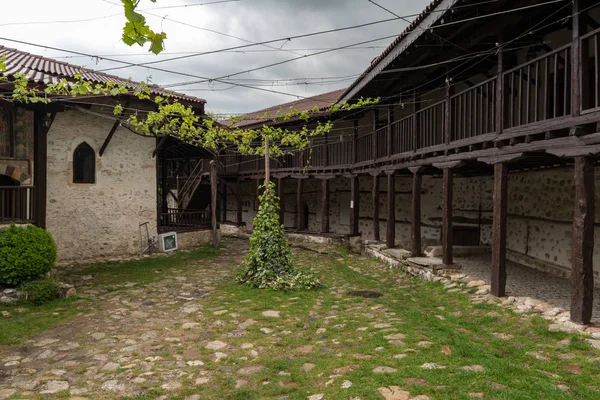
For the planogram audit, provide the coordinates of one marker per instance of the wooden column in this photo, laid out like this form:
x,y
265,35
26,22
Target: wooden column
x,y
447,217
582,270
325,206
299,207
416,107
213,202
415,232
580,94
354,205
390,237
354,148
224,197
375,197
238,200
498,286
281,195
40,178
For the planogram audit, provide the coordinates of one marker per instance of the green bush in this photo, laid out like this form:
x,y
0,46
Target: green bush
x,y
269,260
39,291
26,254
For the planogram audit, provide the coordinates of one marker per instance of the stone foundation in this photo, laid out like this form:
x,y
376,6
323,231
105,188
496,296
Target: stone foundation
x,y
192,240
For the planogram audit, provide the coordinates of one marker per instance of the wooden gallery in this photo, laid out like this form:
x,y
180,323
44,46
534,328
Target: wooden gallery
x,y
486,135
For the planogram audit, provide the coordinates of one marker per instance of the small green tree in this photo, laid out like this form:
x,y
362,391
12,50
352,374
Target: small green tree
x,y
269,263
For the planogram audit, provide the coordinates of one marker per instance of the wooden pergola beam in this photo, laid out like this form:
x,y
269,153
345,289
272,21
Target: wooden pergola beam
x,y
109,137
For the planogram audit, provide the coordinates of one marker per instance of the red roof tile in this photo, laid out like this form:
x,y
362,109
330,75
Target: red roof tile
x,y
322,101
42,70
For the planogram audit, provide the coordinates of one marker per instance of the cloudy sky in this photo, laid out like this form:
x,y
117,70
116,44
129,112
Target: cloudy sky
x,y
94,27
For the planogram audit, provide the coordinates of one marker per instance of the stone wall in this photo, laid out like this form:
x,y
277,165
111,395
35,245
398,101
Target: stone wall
x,y
540,212
191,240
100,220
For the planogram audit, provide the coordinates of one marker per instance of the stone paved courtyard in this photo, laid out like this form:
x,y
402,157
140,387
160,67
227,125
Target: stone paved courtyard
x,y
193,333
525,281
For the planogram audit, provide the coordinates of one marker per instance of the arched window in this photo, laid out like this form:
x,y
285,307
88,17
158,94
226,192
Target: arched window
x,y
84,164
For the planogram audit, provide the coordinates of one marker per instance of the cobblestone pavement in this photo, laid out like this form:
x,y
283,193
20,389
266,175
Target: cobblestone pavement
x,y
122,346
525,281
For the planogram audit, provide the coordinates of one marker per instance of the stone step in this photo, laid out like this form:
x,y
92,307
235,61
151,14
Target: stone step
x,y
432,263
457,251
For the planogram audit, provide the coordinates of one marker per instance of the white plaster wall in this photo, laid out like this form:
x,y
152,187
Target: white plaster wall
x,y
101,219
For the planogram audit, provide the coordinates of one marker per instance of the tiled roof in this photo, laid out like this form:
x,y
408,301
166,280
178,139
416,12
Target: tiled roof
x,y
322,101
417,21
44,70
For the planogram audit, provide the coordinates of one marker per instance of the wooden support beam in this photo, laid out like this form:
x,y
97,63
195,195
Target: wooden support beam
x,y
238,201
213,202
354,205
447,217
224,203
325,206
109,137
40,164
299,207
158,146
281,195
498,287
390,237
415,232
375,198
582,270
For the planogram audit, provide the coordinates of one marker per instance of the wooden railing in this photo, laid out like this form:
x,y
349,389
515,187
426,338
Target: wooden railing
x,y
539,89
179,220
430,125
531,96
474,111
17,204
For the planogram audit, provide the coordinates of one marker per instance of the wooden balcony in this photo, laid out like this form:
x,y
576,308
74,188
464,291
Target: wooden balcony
x,y
531,102
17,205
179,220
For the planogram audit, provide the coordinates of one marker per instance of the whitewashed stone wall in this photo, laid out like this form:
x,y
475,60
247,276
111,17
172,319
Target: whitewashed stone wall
x,y
99,220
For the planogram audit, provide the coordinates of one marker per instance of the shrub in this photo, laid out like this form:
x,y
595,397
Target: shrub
x,y
39,291
26,253
269,260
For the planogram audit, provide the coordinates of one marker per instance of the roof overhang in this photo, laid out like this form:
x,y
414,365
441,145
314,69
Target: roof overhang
x,y
433,17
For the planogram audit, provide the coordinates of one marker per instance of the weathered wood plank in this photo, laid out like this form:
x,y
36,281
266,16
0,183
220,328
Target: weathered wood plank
x,y
40,138
498,281
415,233
447,216
582,270
390,237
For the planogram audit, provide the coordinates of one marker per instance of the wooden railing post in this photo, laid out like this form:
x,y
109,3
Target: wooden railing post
x,y
375,138
416,107
500,89
448,111
354,139
389,129
580,94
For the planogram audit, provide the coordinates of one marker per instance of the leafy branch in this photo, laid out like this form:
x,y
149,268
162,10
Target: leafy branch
x,y
137,31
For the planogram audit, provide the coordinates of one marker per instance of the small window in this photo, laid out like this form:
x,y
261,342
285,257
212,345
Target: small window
x,y
84,164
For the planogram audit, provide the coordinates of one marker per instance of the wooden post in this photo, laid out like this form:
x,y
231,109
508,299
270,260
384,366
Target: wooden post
x,y
224,203
390,237
416,107
354,204
281,194
582,270
325,206
354,148
499,123
447,217
498,287
213,202
448,111
390,120
375,197
299,208
238,199
580,94
39,168
375,136
415,233
267,164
